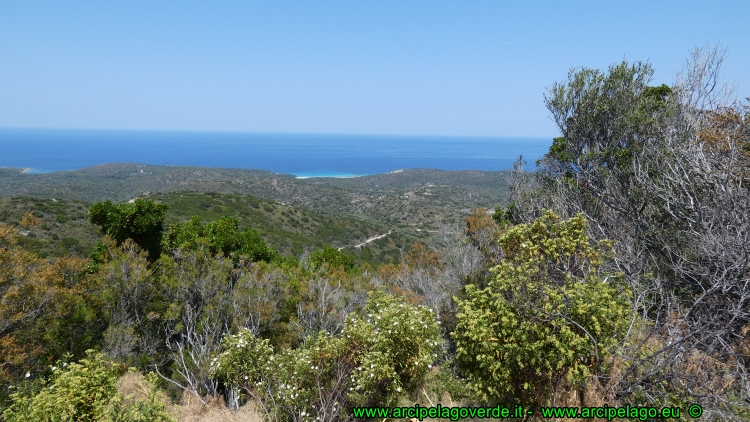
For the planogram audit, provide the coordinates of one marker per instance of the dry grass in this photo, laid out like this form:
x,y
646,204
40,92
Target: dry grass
x,y
134,387
192,410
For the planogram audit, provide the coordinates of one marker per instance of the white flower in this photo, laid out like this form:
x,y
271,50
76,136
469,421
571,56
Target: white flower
x,y
54,368
398,389
28,374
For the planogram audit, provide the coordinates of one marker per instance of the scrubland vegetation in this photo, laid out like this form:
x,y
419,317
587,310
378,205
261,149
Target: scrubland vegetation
x,y
618,273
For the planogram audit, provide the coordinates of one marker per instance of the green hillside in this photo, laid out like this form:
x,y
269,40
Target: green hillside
x,y
64,228
409,198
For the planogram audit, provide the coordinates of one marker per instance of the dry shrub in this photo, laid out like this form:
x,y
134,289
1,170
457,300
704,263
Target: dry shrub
x,y
193,410
134,387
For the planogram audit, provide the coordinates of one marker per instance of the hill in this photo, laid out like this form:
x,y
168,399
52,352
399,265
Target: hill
x,y
408,198
64,228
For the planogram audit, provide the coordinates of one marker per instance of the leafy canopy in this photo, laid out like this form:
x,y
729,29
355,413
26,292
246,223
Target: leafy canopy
x,y
331,257
86,391
141,220
221,236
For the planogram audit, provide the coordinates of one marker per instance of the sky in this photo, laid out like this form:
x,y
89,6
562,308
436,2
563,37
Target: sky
x,y
406,67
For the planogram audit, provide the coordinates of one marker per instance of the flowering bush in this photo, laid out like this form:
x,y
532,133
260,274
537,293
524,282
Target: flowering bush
x,y
384,350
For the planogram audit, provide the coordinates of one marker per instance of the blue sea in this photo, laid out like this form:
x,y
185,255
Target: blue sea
x,y
303,155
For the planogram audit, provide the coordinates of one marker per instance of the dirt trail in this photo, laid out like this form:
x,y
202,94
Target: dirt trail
x,y
370,240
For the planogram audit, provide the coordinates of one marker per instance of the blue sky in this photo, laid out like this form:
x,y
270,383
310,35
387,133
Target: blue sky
x,y
457,68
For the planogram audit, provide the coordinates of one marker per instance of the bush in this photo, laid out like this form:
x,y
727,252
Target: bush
x,y
383,351
548,314
84,391
221,236
142,221
331,257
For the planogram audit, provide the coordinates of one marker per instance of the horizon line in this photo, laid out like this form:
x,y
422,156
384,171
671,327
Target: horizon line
x,y
228,131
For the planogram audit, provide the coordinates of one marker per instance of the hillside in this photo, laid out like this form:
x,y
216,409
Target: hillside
x,y
407,198
64,229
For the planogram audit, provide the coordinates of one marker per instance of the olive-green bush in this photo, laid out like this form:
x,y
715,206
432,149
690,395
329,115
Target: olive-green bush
x,y
549,314
84,392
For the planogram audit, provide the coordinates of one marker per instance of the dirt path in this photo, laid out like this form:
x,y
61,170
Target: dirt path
x,y
370,240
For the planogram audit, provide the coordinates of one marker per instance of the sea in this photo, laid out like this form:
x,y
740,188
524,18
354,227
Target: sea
x,y
303,155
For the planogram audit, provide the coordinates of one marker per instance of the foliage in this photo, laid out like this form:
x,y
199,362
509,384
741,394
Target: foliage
x,y
75,391
146,404
221,236
383,350
141,220
86,391
48,308
547,315
662,171
332,258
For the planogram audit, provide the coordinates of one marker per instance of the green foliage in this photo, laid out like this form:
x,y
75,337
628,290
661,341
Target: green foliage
x,y
547,315
384,350
331,257
75,392
604,117
86,391
141,220
221,236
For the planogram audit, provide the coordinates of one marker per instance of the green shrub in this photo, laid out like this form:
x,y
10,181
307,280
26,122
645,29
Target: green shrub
x,y
382,351
85,391
142,221
146,404
548,314
75,392
332,257
222,236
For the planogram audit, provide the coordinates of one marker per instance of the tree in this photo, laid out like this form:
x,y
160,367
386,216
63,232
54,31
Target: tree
x,y
548,315
662,171
141,220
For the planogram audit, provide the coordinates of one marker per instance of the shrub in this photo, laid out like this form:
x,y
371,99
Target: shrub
x,y
85,391
75,391
382,351
331,257
547,315
221,236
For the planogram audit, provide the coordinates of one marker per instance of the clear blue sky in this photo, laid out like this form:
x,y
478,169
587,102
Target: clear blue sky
x,y
474,68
